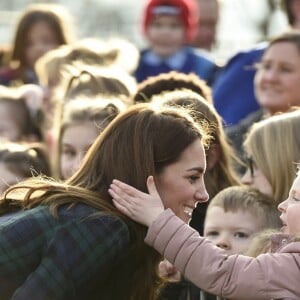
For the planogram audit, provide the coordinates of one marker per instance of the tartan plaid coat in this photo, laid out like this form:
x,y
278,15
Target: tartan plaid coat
x,y
70,257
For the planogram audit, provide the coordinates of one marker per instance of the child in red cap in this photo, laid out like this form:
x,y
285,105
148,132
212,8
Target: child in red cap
x,y
169,25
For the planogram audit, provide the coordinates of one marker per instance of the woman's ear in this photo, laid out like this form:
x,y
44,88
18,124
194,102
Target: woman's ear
x,y
213,156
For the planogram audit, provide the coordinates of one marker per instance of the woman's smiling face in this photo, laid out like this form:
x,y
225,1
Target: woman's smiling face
x,y
277,78
181,184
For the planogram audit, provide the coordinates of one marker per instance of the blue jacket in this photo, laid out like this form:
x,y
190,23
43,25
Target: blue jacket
x,y
233,91
187,60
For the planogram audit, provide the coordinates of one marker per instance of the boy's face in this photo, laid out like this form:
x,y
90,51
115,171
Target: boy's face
x,y
232,231
166,35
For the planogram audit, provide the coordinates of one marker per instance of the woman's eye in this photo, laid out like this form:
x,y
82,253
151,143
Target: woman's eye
x,y
263,66
194,178
286,69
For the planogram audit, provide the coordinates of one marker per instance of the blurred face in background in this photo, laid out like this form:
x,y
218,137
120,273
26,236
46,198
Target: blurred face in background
x,y
75,142
40,39
166,34
207,24
255,178
8,178
295,10
9,128
278,76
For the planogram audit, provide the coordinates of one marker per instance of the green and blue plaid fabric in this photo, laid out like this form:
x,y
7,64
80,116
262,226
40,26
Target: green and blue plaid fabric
x,y
43,257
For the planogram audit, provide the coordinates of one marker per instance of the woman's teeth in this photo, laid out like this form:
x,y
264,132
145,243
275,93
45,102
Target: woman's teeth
x,y
188,210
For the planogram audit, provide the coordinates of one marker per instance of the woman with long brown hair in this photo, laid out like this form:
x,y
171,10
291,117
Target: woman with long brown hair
x,y
70,242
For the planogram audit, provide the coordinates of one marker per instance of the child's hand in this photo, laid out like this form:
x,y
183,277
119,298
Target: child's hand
x,y
167,270
141,207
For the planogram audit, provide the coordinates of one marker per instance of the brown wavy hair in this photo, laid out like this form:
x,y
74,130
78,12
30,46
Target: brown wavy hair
x,y
137,143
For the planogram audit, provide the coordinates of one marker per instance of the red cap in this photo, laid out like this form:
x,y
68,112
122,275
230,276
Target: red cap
x,y
187,10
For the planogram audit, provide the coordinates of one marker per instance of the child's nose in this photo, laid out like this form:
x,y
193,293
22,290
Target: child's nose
x,y
282,206
224,243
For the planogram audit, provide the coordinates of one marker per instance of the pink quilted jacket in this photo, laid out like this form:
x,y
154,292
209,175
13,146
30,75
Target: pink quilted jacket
x,y
269,276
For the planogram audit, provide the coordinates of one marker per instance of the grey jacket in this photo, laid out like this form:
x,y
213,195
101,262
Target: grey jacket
x,y
269,276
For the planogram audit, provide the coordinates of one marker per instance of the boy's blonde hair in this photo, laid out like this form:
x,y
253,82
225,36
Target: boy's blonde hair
x,y
247,199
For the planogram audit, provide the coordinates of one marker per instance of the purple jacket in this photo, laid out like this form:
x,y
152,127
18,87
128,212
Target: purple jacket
x,y
269,276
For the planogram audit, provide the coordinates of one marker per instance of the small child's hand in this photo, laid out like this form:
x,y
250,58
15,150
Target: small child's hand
x,y
141,207
167,270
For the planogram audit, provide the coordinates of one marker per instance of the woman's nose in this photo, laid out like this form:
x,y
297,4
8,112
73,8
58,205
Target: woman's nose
x,y
201,194
270,74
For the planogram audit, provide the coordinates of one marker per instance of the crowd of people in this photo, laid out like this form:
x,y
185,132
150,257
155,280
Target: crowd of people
x,y
100,140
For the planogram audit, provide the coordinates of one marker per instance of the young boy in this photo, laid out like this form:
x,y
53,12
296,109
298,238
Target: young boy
x,y
168,26
235,215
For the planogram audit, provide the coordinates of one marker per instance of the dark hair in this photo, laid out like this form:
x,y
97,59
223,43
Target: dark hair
x,y
286,6
171,81
92,80
223,173
27,123
137,143
25,160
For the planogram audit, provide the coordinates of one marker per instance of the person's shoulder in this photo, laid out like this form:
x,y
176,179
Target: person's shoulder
x,y
7,74
247,55
82,211
246,122
7,70
200,54
144,52
281,242
32,225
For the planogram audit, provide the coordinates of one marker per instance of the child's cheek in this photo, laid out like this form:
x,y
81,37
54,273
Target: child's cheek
x,y
293,220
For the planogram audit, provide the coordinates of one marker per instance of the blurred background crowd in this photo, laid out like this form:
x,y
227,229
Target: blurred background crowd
x,y
241,23
70,68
